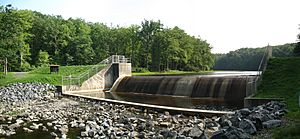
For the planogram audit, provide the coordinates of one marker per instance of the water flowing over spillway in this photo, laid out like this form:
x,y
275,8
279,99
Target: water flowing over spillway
x,y
226,88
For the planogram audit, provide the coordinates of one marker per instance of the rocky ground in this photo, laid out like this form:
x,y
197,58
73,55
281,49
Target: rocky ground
x,y
34,107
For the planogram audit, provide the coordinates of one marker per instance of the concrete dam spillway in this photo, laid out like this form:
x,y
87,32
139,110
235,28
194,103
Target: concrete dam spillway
x,y
216,90
222,88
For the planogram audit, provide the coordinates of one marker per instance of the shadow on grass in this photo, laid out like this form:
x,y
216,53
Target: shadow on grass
x,y
288,132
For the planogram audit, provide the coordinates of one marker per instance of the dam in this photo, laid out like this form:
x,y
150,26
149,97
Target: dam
x,y
222,90
181,91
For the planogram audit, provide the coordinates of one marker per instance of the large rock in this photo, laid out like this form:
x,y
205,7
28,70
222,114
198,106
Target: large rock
x,y
168,134
34,126
53,134
219,135
236,133
23,92
2,131
91,133
27,130
245,111
14,126
248,126
272,123
195,132
235,120
19,121
84,134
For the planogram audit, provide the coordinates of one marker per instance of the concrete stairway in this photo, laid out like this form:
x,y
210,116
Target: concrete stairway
x,y
105,78
96,82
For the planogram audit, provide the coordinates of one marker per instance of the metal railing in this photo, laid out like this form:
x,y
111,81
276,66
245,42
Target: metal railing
x,y
252,84
74,83
118,59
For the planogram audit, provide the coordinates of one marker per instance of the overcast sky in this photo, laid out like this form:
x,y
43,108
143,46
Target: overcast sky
x,y
226,24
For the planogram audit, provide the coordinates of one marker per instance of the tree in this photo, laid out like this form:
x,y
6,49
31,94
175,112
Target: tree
x,y
14,25
249,58
80,45
100,35
43,58
147,33
135,44
31,39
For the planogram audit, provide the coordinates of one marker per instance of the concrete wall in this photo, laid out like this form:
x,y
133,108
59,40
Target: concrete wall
x,y
111,76
124,69
116,70
95,82
104,79
252,102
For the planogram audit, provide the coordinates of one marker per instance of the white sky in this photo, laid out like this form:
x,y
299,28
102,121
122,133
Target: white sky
x,y
226,24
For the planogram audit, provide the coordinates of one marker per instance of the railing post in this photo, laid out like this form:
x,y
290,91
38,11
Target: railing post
x,y
5,66
70,82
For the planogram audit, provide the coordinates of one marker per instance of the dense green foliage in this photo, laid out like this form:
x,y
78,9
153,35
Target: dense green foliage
x,y
249,58
282,79
43,75
31,39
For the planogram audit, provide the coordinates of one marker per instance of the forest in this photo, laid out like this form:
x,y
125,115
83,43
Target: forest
x,y
29,39
250,58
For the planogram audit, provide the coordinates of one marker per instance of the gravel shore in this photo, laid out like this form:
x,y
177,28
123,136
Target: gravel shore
x,y
32,107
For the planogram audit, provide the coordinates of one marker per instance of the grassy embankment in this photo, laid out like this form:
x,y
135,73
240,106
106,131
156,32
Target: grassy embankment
x,y
43,75
282,80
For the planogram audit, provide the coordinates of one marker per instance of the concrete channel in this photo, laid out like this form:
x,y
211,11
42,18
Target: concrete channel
x,y
187,111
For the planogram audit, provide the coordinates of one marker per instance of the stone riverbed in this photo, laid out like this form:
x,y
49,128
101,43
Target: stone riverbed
x,y
35,110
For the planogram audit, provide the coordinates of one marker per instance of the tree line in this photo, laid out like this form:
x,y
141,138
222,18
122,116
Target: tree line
x,y
30,39
250,58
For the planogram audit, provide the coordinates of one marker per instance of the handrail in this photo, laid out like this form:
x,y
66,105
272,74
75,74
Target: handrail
x,y
264,61
252,85
77,81
109,60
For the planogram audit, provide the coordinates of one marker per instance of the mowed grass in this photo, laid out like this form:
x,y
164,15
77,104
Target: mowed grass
x,y
171,72
288,132
43,75
282,80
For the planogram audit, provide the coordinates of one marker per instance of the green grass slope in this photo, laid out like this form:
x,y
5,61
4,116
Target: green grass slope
x,y
43,75
282,80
